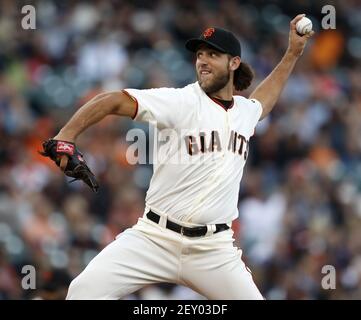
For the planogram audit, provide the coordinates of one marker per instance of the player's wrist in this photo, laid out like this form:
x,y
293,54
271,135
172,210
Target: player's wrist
x,y
293,53
65,136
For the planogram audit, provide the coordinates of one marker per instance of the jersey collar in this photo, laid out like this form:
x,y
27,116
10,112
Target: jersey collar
x,y
218,103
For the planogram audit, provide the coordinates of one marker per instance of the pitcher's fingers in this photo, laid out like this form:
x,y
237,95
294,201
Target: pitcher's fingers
x,y
63,162
309,34
295,20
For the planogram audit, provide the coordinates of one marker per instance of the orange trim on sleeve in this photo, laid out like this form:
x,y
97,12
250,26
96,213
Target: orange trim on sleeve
x,y
136,102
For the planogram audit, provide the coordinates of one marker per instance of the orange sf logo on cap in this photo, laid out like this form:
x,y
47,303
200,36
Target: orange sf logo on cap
x,y
208,32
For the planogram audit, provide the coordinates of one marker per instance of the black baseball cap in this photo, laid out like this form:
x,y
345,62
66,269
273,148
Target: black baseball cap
x,y
218,38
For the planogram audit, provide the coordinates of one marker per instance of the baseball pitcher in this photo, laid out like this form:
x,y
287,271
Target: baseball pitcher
x,y
184,236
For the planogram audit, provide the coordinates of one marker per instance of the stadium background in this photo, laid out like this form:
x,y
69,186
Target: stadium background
x,y
300,199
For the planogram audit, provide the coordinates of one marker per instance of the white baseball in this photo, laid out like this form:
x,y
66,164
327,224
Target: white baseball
x,y
304,25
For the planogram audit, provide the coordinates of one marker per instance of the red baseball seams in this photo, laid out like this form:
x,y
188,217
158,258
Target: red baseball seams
x,y
65,147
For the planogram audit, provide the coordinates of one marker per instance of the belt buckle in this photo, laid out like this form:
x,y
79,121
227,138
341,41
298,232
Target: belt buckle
x,y
182,230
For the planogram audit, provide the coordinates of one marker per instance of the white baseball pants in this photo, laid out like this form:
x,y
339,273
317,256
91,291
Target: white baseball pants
x,y
149,253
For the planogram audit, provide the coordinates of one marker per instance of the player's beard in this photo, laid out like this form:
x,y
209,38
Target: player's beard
x,y
217,83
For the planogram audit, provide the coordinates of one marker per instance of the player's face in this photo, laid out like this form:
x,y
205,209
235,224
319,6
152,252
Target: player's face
x,y
212,69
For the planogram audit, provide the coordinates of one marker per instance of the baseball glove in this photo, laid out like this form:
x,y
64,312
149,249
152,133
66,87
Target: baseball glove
x,y
76,166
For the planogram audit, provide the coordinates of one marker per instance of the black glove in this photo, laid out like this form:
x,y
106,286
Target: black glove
x,y
76,166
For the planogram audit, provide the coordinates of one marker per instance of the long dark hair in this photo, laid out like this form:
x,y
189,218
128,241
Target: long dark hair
x,y
243,76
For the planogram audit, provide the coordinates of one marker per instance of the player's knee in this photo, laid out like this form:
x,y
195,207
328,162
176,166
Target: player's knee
x,y
90,285
81,288
75,290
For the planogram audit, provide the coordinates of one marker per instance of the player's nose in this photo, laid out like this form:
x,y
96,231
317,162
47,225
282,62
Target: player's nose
x,y
202,60
202,63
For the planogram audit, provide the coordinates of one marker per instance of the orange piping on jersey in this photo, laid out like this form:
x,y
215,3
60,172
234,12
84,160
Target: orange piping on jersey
x,y
136,101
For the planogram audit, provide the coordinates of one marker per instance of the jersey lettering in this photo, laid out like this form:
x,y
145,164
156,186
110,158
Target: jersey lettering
x,y
237,143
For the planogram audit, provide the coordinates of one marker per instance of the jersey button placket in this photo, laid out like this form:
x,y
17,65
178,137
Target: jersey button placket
x,y
227,131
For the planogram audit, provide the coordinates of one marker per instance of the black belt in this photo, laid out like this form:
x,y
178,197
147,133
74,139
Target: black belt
x,y
187,231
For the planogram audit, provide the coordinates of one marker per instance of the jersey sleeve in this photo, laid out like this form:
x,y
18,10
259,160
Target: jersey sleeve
x,y
258,109
163,107
251,112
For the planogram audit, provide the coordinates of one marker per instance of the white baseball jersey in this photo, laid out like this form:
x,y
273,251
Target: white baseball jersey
x,y
203,150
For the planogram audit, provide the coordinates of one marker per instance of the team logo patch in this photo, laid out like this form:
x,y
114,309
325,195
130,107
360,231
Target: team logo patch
x,y
208,33
65,147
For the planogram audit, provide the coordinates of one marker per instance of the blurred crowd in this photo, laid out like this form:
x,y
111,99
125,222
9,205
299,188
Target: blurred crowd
x,y
300,198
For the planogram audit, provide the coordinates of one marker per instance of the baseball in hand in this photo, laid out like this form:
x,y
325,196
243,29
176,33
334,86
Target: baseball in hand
x,y
304,26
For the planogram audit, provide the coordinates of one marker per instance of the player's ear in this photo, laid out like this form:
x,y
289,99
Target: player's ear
x,y
234,63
